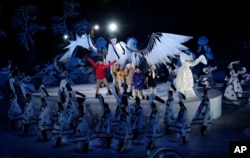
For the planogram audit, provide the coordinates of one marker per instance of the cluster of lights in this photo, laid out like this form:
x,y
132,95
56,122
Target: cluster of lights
x,y
112,27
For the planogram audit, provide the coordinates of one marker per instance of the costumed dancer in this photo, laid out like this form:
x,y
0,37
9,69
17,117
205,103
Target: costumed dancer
x,y
26,84
129,72
170,114
82,135
50,76
181,125
29,116
203,49
103,131
151,77
202,116
172,69
137,121
122,103
138,80
60,126
71,112
206,79
123,133
119,72
117,114
45,123
15,113
233,90
100,73
184,81
154,132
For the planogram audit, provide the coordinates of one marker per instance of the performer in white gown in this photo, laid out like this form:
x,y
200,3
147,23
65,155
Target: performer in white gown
x,y
184,81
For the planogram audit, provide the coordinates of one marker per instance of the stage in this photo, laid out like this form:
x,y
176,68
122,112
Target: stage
x,y
94,110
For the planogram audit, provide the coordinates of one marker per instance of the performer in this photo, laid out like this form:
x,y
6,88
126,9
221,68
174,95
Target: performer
x,y
206,79
82,135
71,113
29,116
234,90
122,102
123,133
172,71
170,114
100,73
181,125
61,126
151,77
119,72
129,72
45,123
184,81
137,121
103,131
154,132
15,113
138,80
202,116
26,84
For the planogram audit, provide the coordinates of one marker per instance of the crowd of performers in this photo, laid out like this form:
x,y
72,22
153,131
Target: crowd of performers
x,y
120,129
127,125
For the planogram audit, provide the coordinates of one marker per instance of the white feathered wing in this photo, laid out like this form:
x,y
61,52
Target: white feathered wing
x,y
164,45
85,41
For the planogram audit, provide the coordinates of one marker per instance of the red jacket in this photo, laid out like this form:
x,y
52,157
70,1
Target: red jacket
x,y
100,68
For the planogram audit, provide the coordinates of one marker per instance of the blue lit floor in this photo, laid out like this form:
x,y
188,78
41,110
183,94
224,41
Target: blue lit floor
x,y
233,125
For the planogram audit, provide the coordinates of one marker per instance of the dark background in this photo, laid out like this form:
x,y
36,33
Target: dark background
x,y
225,24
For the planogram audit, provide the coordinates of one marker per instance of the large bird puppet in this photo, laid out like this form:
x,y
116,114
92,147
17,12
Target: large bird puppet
x,y
159,48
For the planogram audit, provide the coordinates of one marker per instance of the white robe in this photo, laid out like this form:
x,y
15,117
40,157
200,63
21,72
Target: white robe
x,y
184,81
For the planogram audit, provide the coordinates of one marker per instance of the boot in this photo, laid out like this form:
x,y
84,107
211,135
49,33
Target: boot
x,y
136,134
44,135
143,97
108,141
184,141
149,145
58,141
121,146
159,99
203,130
130,94
109,91
167,130
13,124
25,128
86,147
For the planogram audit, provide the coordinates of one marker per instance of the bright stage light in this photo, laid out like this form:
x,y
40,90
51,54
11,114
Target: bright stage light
x,y
65,37
112,27
96,27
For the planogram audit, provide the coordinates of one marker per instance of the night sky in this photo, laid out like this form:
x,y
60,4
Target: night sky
x,y
223,23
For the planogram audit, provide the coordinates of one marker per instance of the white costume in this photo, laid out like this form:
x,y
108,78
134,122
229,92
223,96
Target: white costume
x,y
184,81
234,89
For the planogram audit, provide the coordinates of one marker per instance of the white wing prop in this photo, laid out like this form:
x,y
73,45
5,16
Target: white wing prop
x,y
85,41
164,45
117,52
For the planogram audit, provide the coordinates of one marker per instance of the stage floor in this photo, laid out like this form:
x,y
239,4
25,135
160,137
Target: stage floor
x,y
94,108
